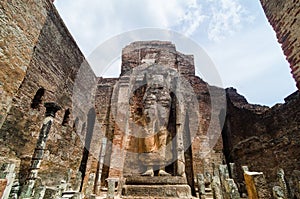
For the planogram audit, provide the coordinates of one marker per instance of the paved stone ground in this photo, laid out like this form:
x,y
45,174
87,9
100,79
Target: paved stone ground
x,y
103,196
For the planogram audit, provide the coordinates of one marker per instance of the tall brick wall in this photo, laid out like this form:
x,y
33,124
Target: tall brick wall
x,y
265,139
101,141
50,60
284,16
21,23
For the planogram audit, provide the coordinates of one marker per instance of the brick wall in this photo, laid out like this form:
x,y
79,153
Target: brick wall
x,y
21,23
265,139
284,16
45,57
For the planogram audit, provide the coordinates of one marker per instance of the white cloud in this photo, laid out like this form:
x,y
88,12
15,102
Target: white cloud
x,y
165,13
93,22
96,21
192,19
226,17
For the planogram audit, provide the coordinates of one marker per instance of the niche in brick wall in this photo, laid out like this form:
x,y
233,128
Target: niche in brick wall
x,y
76,123
37,99
66,118
83,129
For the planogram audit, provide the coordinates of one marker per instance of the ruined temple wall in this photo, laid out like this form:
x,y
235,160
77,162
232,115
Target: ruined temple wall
x,y
21,23
265,139
163,52
101,143
53,67
284,16
207,145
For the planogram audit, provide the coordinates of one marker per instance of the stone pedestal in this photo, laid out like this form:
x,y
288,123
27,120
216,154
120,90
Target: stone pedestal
x,y
162,187
282,183
51,193
39,192
90,185
231,189
216,187
111,187
201,186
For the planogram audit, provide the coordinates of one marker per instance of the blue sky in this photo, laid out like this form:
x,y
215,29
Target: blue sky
x,y
234,33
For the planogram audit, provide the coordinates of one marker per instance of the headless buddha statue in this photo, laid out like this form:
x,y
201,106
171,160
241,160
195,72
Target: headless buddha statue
x,y
156,111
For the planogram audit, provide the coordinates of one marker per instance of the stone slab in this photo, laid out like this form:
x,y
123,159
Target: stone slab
x,y
256,185
156,191
155,180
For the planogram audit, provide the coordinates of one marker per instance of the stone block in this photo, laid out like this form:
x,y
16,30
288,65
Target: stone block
x,y
245,168
201,184
175,191
156,187
224,174
256,185
216,187
111,187
232,170
282,183
156,180
51,193
231,189
278,192
39,192
90,185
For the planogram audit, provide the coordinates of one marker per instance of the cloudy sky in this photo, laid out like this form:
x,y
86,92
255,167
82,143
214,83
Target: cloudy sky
x,y
234,33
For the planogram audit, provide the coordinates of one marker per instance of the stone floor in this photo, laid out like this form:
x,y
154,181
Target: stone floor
x,y
208,192
103,196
